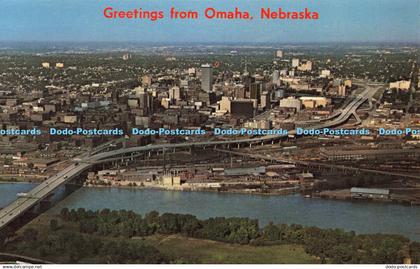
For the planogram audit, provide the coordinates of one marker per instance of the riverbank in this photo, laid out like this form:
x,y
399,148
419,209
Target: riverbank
x,y
174,248
360,217
397,198
232,187
341,195
23,179
17,182
82,236
285,191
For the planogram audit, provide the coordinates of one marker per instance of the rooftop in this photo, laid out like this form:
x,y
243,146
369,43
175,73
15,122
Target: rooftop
x,y
369,191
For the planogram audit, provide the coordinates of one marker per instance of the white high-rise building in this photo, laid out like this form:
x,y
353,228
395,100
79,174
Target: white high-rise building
x,y
325,73
279,54
276,76
295,62
206,78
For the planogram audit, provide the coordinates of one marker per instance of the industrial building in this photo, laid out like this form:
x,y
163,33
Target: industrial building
x,y
314,101
369,193
291,102
339,155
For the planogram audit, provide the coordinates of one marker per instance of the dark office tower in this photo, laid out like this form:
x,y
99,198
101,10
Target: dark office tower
x,y
146,103
206,78
255,90
242,108
247,81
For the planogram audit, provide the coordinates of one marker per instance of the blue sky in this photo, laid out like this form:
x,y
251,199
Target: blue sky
x,y
82,20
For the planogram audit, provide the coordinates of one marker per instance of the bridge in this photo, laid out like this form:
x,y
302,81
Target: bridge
x,y
98,155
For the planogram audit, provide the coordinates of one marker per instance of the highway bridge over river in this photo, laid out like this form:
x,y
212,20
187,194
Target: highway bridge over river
x,y
98,155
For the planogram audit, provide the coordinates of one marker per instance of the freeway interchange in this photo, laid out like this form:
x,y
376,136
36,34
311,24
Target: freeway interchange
x,y
87,160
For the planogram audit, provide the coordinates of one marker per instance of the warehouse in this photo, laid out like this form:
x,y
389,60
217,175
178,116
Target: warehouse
x,y
369,193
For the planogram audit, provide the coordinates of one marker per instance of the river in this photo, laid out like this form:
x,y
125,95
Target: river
x,y
361,217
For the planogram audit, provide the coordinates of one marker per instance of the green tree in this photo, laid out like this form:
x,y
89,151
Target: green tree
x,y
271,232
30,235
88,226
5,234
53,225
344,254
65,214
415,252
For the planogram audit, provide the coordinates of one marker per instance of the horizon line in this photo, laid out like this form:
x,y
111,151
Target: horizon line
x,y
215,42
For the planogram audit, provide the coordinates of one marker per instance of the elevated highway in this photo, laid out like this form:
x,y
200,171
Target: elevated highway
x,y
86,161
345,114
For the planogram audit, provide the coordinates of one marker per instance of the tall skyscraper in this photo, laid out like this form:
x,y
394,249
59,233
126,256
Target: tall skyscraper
x,y
265,100
276,76
175,93
206,78
255,90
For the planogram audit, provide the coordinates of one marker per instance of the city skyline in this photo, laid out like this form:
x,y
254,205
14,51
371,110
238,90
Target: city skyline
x,y
210,132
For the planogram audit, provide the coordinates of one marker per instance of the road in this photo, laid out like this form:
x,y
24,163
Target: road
x,y
22,204
346,113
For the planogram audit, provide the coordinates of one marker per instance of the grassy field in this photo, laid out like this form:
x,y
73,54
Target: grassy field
x,y
206,251
378,94
191,250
